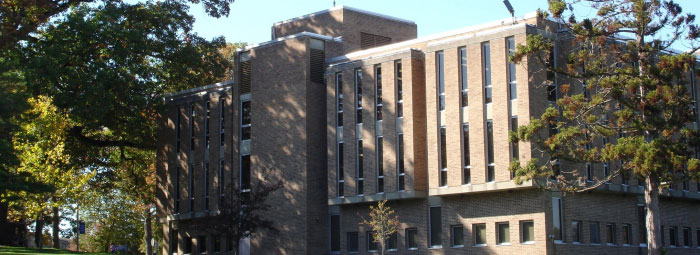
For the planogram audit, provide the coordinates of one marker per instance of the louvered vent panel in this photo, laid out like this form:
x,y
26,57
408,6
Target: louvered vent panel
x,y
317,65
245,77
368,40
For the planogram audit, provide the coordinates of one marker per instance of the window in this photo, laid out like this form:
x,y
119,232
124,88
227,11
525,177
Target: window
x,y
317,59
589,172
202,243
435,227
697,237
400,165
206,186
245,72
463,84
594,233
229,243
576,227
245,174
641,222
380,164
217,244
610,234
486,66
191,191
207,110
479,234
222,122
360,168
503,233
378,90
686,237
457,234
606,171
558,221
188,245
626,234
245,120
512,85
245,135
358,95
551,79
663,238
372,244
466,174
443,156
399,89
335,233
514,149
177,190
399,132
527,232
173,240
392,242
412,239
353,244
673,236
192,115
440,76
177,130
339,98
220,183
341,170
490,167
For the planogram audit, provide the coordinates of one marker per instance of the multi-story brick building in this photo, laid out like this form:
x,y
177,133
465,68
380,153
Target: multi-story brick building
x,y
348,107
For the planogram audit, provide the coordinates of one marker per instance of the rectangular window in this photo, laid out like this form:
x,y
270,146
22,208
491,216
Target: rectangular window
x,y
486,66
245,173
514,149
222,122
686,237
594,232
392,242
626,234
339,98
217,244
435,226
207,110
589,172
229,243
246,117
335,233
610,234
191,191
206,186
479,234
490,165
341,170
372,244
202,243
399,89
220,183
378,90
512,85
176,183
440,76
400,165
606,171
466,171
353,242
527,232
358,96
558,220
443,156
641,222
503,233
457,234
192,115
463,83
576,227
177,129
401,180
380,164
673,236
551,83
360,168
412,239
697,237
188,245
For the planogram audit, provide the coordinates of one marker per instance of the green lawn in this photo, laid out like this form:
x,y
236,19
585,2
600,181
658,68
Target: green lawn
x,y
30,251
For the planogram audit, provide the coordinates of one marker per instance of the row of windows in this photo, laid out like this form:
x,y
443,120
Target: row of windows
x,y
379,137
217,242
207,131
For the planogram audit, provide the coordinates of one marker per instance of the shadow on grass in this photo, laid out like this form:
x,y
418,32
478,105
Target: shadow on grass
x,y
32,251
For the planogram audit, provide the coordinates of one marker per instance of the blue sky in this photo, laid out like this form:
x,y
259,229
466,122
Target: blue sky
x,y
250,20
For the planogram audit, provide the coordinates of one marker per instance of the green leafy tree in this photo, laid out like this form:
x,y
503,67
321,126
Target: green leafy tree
x,y
383,223
623,101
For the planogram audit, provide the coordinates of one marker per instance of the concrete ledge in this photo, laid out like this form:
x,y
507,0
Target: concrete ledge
x,y
410,194
478,188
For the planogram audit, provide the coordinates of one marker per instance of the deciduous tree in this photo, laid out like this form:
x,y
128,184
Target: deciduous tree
x,y
383,223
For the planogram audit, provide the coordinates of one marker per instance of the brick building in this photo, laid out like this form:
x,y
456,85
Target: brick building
x,y
348,107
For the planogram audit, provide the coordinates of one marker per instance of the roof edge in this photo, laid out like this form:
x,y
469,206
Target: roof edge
x,y
297,35
202,88
347,8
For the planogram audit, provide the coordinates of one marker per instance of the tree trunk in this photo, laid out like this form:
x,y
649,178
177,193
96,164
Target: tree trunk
x,y
55,221
653,221
147,231
37,231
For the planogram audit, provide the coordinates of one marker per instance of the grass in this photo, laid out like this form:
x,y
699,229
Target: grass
x,y
32,251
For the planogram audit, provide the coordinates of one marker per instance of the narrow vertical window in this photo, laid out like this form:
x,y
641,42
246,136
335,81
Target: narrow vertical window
x,y
463,84
589,172
217,244
380,162
641,222
399,131
192,115
435,226
392,242
606,172
245,168
466,171
558,220
177,129
222,121
176,183
245,120
527,232
610,234
443,157
188,244
191,191
220,182
503,235
576,227
412,239
202,243
378,90
207,110
372,244
512,85
486,66
378,130
514,148
352,242
490,165
360,168
245,176
440,79
479,234
400,165
339,124
399,89
335,233
341,171
594,229
457,234
673,236
697,237
626,234
686,237
206,186
358,95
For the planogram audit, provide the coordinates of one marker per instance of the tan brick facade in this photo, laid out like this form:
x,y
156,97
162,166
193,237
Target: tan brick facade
x,y
295,137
